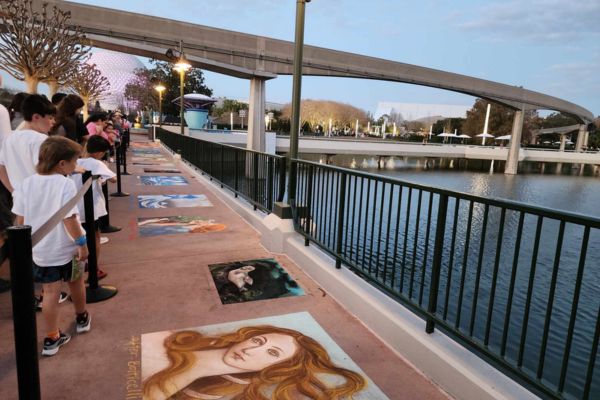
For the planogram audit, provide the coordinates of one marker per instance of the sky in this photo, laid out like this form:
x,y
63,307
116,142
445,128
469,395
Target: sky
x,y
549,46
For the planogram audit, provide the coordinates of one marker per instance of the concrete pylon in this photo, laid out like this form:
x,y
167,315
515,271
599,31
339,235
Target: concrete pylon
x,y
580,137
256,118
563,142
585,140
512,161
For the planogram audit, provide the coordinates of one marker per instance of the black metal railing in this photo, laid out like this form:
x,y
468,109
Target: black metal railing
x,y
517,284
257,177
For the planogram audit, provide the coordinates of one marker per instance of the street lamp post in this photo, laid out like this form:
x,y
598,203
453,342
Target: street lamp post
x,y
296,92
181,66
160,88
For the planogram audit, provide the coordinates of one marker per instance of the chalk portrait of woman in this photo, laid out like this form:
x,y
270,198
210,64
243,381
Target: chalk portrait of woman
x,y
261,362
253,280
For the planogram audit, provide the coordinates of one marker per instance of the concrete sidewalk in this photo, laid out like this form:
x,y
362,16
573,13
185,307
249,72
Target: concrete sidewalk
x,y
164,284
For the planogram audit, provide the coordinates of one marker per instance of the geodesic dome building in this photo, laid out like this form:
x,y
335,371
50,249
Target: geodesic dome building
x,y
119,69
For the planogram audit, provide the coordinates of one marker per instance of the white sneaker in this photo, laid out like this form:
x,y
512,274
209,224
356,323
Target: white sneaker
x,y
103,240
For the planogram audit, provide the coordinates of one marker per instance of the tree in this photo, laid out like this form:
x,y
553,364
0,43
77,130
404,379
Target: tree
x,y
140,89
88,82
228,106
37,47
500,122
318,112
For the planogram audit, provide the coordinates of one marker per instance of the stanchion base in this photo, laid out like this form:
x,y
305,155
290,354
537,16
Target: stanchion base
x,y
125,173
100,294
110,229
119,194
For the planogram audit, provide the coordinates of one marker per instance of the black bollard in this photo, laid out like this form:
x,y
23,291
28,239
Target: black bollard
x,y
105,226
124,159
119,193
94,293
21,276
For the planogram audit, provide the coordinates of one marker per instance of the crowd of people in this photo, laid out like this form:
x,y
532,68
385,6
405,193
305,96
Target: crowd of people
x,y
45,146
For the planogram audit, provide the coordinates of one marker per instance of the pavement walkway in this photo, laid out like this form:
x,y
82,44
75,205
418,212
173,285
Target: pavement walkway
x,y
165,284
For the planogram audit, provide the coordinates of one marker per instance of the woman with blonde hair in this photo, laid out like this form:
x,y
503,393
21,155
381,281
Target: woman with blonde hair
x,y
253,363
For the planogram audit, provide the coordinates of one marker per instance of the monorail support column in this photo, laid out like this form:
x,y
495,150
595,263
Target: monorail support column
x,y
512,161
256,120
580,137
563,142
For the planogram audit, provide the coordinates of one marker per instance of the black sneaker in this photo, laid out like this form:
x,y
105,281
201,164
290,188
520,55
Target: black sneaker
x,y
37,300
84,324
63,297
51,346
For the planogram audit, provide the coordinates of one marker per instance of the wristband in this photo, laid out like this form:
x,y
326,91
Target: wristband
x,y
81,240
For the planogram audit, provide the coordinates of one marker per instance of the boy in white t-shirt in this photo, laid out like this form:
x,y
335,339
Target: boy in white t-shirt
x,y
95,148
19,152
59,255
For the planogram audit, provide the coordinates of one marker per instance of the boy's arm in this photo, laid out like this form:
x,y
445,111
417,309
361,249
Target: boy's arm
x,y
74,230
4,178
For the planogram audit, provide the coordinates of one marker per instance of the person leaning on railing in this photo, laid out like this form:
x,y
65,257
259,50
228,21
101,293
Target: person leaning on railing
x,y
59,256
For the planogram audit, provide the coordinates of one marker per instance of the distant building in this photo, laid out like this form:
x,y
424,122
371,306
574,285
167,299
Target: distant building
x,y
269,105
414,111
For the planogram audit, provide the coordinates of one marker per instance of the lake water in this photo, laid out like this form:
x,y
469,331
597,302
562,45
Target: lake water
x,y
559,188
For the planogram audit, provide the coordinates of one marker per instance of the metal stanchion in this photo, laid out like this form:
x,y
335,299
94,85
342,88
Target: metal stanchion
x,y
21,276
124,158
94,293
106,226
119,193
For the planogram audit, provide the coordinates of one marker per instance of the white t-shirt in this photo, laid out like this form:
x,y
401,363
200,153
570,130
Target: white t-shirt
x,y
5,128
36,199
19,154
97,167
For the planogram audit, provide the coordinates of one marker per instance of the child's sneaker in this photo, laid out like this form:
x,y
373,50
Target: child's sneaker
x,y
37,300
84,323
51,346
63,297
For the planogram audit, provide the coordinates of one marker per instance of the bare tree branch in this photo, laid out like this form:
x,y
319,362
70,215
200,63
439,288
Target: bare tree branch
x,y
38,47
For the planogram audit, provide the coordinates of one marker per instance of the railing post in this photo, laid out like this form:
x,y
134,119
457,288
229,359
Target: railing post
x,y
124,159
255,177
235,171
308,206
282,175
437,260
340,224
222,164
270,183
94,293
119,193
21,276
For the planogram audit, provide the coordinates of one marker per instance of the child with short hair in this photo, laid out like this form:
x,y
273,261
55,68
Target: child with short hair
x,y
59,255
95,149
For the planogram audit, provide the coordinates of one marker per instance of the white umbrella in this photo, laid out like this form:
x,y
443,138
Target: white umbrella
x,y
463,136
485,135
505,137
446,134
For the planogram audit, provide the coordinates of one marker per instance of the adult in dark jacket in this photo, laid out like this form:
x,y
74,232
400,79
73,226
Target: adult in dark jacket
x,y
68,122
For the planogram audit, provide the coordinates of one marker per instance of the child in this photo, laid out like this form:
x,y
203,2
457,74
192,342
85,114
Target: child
x,y
95,148
36,199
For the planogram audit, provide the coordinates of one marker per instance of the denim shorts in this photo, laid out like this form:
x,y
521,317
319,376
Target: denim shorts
x,y
52,274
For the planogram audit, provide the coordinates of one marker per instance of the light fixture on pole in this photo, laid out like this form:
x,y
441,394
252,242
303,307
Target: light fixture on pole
x,y
182,65
160,88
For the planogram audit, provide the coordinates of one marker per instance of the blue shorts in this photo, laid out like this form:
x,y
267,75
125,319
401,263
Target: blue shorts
x,y
52,274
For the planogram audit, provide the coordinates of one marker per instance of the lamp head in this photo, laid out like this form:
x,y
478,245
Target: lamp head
x,y
160,88
182,65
